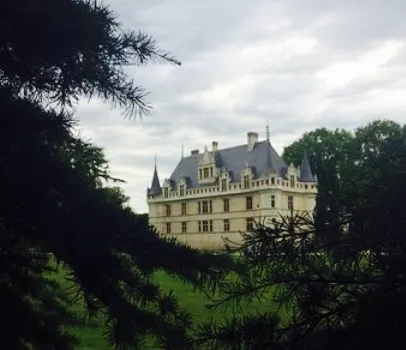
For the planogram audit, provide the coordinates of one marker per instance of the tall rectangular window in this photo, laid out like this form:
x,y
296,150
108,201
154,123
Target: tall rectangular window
x,y
184,226
210,206
205,225
183,208
206,173
226,205
226,225
250,224
168,227
290,203
272,201
205,207
200,226
201,173
211,172
211,225
166,192
199,209
168,209
224,184
249,203
246,181
272,181
182,190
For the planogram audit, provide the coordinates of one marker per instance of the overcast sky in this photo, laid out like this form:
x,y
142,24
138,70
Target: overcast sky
x,y
297,65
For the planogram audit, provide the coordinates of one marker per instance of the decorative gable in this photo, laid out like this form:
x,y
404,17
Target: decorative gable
x,y
207,170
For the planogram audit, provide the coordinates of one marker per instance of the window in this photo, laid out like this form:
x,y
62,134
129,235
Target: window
x,y
205,207
292,181
224,184
182,190
250,224
168,227
201,173
211,172
272,201
249,203
205,225
168,209
290,202
184,226
166,192
226,205
206,173
306,187
200,226
199,209
246,181
226,224
211,225
183,208
272,181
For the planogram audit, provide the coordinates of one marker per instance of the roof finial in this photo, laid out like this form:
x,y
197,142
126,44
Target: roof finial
x,y
155,160
267,131
181,152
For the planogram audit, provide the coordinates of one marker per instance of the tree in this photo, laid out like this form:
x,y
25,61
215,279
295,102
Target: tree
x,y
52,185
328,151
352,300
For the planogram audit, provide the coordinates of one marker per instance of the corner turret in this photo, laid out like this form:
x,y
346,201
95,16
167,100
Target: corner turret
x,y
156,188
306,174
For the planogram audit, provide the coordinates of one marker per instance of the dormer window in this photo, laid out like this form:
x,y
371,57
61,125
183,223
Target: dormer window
x,y
246,181
182,190
292,181
205,173
166,192
224,184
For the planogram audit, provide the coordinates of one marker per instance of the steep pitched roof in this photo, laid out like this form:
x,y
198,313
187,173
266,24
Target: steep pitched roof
x,y
262,158
155,185
306,174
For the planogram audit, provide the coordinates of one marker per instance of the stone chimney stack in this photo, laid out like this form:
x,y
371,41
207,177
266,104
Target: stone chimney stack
x,y
214,146
195,152
252,139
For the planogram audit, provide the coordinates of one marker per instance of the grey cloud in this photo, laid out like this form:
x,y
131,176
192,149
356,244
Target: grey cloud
x,y
221,43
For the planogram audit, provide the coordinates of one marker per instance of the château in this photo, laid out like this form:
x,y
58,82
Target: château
x,y
221,192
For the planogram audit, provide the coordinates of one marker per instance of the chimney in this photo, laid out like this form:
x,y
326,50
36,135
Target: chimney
x,y
195,152
252,139
214,146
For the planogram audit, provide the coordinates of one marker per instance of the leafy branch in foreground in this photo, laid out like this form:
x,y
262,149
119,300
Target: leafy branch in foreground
x,y
53,199
311,294
58,51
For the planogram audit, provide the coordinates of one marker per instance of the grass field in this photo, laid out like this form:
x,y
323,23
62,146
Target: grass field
x,y
90,333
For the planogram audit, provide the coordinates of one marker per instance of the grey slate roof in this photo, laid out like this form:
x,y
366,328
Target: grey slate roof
x,y
306,174
155,186
261,158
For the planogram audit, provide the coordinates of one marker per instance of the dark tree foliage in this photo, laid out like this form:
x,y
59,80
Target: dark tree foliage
x,y
346,294
53,201
327,151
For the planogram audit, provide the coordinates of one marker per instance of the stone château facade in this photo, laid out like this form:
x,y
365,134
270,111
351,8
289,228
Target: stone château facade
x,y
221,192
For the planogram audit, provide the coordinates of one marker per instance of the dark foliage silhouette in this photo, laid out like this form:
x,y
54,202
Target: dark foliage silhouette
x,y
53,199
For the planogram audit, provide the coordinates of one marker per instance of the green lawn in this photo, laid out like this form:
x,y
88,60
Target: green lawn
x,y
90,333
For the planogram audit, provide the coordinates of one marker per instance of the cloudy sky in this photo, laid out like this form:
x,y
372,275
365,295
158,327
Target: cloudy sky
x,y
295,64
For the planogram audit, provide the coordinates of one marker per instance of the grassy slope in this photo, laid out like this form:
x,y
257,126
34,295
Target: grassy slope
x,y
90,333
